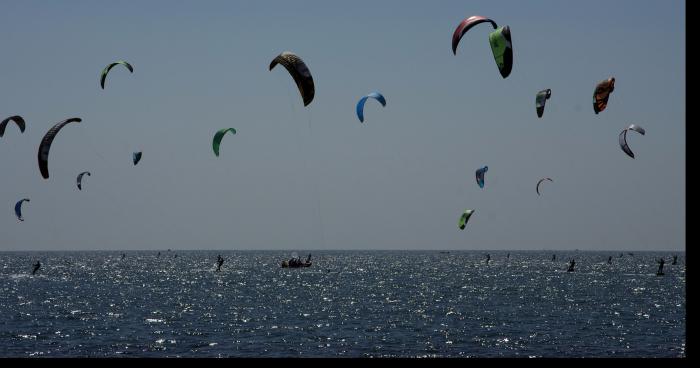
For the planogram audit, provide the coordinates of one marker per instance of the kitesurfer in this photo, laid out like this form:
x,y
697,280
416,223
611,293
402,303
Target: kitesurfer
x,y
660,271
37,266
219,261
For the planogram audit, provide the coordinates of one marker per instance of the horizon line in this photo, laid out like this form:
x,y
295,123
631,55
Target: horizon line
x,y
346,250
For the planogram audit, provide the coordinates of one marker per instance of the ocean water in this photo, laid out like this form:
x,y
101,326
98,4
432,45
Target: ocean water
x,y
348,304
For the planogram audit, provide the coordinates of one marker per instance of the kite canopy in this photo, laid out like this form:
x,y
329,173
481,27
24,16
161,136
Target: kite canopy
x,y
465,218
537,188
541,99
137,157
109,67
299,71
17,119
45,145
502,48
465,26
80,179
602,93
480,176
361,104
622,138
18,208
216,142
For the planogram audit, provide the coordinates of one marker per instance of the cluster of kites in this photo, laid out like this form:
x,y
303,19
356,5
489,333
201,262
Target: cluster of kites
x,y
501,46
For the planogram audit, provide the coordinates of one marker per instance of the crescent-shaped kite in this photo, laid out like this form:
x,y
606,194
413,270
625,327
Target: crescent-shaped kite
x,y
537,188
45,145
80,179
17,119
361,104
622,138
216,142
109,67
299,71
465,26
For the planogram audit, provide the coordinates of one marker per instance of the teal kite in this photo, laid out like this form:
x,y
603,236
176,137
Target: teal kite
x,y
216,142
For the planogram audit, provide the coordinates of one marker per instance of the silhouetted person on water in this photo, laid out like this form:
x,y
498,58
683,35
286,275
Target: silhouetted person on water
x,y
508,256
610,260
219,261
554,257
621,255
675,258
488,258
123,255
158,254
572,263
661,267
37,266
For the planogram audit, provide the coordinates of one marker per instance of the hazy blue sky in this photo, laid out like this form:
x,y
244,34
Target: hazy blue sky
x,y
314,177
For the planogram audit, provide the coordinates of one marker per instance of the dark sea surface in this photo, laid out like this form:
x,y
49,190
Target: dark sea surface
x,y
348,304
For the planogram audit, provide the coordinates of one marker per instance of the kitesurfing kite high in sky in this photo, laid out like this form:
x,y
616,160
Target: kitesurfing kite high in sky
x,y
80,179
45,145
216,142
464,219
502,48
623,138
465,26
541,99
109,67
480,176
537,188
137,157
17,119
299,71
360,109
601,94
18,208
